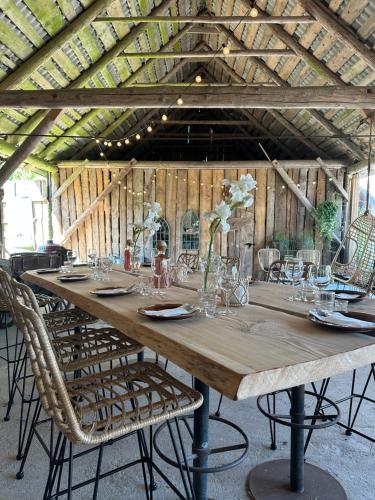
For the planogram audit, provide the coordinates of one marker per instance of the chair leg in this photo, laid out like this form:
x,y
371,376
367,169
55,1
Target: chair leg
x,y
351,421
54,465
20,357
143,460
217,412
348,432
30,436
97,475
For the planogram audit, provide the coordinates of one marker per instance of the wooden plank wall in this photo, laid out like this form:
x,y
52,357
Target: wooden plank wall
x,y
275,211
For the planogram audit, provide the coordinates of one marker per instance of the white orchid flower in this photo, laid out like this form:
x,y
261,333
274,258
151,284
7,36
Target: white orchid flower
x,y
225,227
223,210
248,201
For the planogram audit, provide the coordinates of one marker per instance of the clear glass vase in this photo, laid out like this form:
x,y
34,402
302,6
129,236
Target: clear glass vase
x,y
135,259
210,268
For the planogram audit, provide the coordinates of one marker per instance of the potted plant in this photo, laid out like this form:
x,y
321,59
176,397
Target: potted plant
x,y
326,214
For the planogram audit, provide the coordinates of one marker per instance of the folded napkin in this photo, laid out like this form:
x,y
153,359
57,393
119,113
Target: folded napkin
x,y
339,319
347,296
166,313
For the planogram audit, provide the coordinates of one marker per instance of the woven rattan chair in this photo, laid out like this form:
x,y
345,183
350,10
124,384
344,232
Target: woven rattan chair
x,y
309,256
191,260
266,256
98,408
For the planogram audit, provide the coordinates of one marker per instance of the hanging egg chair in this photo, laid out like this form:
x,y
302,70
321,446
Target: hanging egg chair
x,y
359,245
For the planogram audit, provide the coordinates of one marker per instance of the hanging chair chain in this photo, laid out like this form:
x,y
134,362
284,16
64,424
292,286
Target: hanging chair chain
x,y
369,165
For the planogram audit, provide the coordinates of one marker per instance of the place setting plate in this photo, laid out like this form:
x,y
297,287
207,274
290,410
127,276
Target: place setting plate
x,y
113,291
48,270
348,322
73,277
169,311
349,295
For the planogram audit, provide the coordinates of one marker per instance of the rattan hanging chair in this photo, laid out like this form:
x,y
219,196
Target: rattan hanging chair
x,y
359,243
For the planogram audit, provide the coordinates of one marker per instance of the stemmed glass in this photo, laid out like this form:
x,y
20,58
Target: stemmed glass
x,y
227,283
293,270
320,276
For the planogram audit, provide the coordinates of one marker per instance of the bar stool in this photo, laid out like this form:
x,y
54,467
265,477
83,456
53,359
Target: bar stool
x,y
99,409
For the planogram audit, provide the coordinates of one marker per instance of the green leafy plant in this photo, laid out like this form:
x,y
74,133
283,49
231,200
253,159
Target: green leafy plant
x,y
326,219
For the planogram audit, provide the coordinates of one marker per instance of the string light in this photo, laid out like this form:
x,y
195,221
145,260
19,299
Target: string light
x,y
198,79
254,12
149,128
119,144
110,144
97,141
180,101
127,141
164,117
138,136
226,50
105,143
101,153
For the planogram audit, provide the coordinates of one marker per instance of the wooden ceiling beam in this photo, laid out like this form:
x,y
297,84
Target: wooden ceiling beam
x,y
207,55
213,165
334,24
335,97
50,117
317,115
20,74
34,161
204,19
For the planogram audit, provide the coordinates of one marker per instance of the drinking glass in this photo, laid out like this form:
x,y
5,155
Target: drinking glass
x,y
98,270
227,284
326,302
293,271
320,276
106,264
207,302
144,285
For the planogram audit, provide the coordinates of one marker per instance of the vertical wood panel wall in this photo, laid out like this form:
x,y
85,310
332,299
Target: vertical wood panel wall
x,y
275,211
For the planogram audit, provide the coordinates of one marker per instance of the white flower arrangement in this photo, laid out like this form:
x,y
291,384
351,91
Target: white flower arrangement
x,y
237,194
149,224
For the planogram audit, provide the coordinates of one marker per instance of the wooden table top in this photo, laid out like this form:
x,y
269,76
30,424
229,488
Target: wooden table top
x,y
255,352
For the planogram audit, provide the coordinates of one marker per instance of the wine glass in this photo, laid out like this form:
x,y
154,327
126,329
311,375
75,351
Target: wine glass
x,y
227,283
320,276
293,270
71,257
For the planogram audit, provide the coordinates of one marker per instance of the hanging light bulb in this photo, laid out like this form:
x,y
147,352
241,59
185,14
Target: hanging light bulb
x,y
127,141
226,50
254,12
97,141
180,101
164,117
138,136
198,79
105,143
110,144
149,128
101,153
119,144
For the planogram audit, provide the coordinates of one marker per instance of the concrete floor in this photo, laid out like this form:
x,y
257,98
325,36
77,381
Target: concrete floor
x,y
349,459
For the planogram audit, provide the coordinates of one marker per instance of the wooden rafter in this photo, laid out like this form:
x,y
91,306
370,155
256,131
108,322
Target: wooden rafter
x,y
209,19
335,97
317,115
336,25
23,72
20,154
34,161
128,82
50,117
106,191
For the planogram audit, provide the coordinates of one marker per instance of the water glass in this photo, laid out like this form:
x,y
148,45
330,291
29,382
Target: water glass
x,y
341,305
293,271
207,302
320,276
145,285
326,302
227,284
306,291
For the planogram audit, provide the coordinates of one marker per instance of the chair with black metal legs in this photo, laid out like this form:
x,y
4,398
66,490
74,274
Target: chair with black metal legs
x,y
85,349
99,409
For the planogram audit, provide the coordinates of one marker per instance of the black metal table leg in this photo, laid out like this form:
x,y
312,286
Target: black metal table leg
x,y
294,479
200,443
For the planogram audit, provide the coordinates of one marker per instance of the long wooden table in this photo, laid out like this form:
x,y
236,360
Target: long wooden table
x,y
253,353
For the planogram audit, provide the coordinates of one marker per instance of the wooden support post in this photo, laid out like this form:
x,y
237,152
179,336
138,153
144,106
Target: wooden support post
x,y
21,154
106,191
331,178
73,176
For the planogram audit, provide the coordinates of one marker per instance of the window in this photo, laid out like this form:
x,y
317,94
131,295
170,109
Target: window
x,y
161,234
190,231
